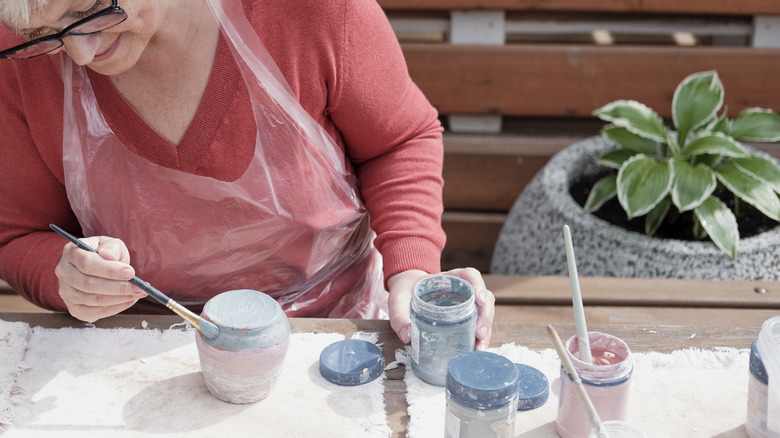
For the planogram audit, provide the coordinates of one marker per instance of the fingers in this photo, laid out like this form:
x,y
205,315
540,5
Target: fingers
x,y
94,286
94,313
486,305
401,287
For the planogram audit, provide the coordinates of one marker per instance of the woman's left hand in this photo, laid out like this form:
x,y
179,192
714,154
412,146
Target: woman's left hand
x,y
401,287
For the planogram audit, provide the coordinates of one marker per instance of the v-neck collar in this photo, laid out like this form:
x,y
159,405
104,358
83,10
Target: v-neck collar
x,y
138,136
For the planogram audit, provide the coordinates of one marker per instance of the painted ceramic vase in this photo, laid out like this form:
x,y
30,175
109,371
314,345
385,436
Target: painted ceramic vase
x,y
243,363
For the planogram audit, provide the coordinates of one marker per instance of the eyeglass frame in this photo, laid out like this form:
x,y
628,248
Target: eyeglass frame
x,y
114,8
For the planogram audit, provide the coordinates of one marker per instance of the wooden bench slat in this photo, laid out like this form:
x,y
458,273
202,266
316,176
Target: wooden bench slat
x,y
487,182
655,292
5,288
711,7
470,239
572,81
635,315
16,304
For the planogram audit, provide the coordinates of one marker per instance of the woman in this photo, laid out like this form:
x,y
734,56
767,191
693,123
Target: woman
x,y
218,153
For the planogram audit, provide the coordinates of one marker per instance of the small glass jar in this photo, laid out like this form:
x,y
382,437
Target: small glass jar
x,y
243,363
619,429
758,396
606,381
444,324
481,396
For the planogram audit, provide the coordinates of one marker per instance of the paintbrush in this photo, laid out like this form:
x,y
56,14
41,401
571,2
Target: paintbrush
x,y
576,297
579,389
208,328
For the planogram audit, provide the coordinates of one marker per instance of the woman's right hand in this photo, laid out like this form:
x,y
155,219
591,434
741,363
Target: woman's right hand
x,y
95,286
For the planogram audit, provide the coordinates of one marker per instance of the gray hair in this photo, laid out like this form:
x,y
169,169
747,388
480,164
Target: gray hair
x,y
16,13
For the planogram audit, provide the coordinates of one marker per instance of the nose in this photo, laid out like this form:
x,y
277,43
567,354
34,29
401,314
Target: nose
x,y
81,48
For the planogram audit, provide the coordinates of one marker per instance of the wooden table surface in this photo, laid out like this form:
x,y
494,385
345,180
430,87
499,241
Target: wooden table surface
x,y
532,335
649,314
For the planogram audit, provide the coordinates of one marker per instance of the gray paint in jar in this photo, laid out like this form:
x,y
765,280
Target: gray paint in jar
x,y
444,324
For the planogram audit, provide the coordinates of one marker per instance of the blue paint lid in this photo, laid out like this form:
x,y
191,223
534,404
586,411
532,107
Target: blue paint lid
x,y
533,388
482,380
757,365
351,362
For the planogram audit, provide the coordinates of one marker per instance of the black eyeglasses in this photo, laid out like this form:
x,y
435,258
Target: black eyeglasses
x,y
97,22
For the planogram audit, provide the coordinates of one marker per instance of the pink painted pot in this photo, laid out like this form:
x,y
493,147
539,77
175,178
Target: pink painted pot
x,y
242,365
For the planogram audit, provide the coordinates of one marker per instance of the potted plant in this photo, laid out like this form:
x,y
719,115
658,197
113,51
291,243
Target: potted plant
x,y
662,173
697,176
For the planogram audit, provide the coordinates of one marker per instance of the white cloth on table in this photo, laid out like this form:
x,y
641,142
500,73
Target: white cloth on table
x,y
13,342
686,393
127,382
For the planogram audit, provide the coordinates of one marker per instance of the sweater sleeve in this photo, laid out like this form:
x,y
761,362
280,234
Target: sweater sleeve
x,y
32,194
393,137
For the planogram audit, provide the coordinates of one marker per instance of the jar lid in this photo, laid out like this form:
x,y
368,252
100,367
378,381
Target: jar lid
x,y
757,365
533,388
351,362
482,380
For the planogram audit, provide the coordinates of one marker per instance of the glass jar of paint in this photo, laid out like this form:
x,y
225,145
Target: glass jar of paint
x,y
481,396
619,429
444,324
768,348
758,395
243,363
606,381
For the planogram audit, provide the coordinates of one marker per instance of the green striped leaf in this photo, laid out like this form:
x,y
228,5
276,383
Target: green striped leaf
x,y
714,144
642,183
615,159
656,216
635,117
604,190
629,140
756,124
750,189
720,223
692,185
696,101
762,168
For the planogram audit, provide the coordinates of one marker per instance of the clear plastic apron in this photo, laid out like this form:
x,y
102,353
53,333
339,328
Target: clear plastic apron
x,y
292,226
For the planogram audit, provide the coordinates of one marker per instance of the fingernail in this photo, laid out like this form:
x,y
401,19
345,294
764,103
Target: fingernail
x,y
483,332
127,272
405,335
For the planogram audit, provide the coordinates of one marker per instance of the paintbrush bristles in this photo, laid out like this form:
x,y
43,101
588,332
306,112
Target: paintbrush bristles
x,y
208,328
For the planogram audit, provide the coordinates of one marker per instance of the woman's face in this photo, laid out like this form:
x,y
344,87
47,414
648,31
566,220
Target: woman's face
x,y
110,52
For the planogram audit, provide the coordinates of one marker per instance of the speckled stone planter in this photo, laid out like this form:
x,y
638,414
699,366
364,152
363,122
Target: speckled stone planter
x,y
531,241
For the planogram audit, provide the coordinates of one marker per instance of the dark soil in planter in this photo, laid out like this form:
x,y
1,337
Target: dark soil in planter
x,y
751,223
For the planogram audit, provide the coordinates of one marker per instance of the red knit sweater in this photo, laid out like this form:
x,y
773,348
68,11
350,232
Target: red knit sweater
x,y
342,61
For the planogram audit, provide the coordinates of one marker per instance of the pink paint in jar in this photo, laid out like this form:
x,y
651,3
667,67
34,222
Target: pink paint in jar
x,y
243,363
606,381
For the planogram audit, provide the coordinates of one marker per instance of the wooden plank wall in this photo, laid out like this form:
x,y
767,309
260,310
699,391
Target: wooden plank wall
x,y
560,60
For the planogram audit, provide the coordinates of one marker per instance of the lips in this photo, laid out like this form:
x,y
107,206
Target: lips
x,y
108,52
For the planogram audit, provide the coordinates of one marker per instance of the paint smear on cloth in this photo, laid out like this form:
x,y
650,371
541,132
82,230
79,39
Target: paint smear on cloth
x,y
686,393
125,382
